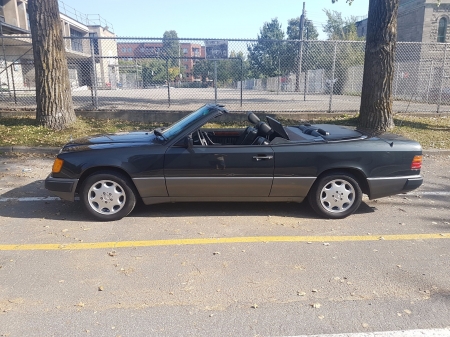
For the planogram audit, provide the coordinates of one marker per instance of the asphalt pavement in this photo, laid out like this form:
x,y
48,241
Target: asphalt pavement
x,y
222,269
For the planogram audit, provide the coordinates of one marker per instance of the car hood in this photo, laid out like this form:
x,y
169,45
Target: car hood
x,y
112,140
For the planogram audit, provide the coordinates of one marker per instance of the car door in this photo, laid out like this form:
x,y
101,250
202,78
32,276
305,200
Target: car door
x,y
296,168
219,171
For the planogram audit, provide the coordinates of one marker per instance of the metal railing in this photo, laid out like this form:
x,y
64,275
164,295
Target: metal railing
x,y
262,75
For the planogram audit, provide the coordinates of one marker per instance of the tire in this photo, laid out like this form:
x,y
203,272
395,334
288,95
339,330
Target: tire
x,y
108,196
335,196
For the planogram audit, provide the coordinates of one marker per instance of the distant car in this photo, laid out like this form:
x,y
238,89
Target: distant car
x,y
332,166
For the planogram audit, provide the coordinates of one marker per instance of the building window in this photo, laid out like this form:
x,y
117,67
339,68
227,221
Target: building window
x,y
94,42
442,30
77,43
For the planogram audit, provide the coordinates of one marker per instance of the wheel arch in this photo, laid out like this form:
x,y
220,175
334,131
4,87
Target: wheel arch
x,y
359,175
108,169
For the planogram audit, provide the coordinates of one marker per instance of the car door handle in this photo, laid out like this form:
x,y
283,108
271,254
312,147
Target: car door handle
x,y
263,157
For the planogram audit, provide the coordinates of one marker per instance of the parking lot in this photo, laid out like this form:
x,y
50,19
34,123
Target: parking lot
x,y
221,269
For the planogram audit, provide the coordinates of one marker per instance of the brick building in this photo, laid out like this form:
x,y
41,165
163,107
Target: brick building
x,y
188,53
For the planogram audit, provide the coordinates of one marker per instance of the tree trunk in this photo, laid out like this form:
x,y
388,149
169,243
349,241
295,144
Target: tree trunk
x,y
53,92
376,100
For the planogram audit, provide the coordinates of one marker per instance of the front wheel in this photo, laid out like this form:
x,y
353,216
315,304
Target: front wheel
x,y
107,196
335,196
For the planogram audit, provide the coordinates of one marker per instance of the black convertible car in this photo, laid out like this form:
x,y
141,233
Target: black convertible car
x,y
330,165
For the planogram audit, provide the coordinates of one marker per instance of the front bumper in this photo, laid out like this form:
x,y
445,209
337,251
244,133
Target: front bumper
x,y
383,187
62,187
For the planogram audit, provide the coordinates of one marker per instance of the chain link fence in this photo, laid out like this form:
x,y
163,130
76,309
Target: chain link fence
x,y
261,75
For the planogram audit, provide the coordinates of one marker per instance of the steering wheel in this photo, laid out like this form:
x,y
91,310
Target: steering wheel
x,y
201,138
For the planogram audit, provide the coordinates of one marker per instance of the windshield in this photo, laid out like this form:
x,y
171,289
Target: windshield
x,y
175,129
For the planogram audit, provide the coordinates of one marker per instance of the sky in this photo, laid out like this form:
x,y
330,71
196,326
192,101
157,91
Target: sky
x,y
221,19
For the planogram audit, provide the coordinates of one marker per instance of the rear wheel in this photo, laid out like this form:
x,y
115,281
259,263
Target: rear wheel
x,y
335,196
108,196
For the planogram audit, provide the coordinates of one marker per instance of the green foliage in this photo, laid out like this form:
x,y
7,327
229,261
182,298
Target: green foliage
x,y
266,56
171,47
228,70
154,71
338,28
309,30
272,55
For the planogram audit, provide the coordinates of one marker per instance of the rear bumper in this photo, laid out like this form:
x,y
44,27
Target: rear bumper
x,y
63,188
383,187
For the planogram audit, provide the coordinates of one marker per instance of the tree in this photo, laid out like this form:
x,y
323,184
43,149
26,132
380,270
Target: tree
x,y
309,30
265,56
171,48
154,71
203,69
54,106
338,28
375,113
236,72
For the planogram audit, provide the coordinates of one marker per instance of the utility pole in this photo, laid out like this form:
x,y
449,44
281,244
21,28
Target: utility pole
x,y
300,52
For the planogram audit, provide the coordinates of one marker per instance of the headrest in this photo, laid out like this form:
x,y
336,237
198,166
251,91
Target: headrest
x,y
252,118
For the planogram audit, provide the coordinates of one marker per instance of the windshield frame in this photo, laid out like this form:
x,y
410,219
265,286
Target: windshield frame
x,y
190,121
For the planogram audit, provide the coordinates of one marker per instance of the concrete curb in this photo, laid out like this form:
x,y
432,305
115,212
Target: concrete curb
x,y
26,149
55,150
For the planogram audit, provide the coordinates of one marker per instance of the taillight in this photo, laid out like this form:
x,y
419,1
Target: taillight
x,y
57,165
416,163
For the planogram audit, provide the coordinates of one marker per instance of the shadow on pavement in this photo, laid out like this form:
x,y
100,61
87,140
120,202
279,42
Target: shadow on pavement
x,y
73,211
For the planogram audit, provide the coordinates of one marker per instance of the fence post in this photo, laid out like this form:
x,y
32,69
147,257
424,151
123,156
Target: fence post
x,y
353,80
429,80
332,77
14,85
442,78
215,81
168,81
242,77
306,85
94,77
397,72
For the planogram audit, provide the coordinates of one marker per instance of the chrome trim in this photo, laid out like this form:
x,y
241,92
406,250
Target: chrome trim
x,y
216,178
263,157
395,178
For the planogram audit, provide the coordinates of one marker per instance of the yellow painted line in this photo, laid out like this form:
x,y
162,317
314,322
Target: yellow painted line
x,y
250,239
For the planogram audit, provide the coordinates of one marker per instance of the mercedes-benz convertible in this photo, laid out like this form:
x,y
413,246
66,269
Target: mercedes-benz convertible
x,y
329,165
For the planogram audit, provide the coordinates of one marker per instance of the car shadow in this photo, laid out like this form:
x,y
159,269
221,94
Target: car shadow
x,y
281,209
73,211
